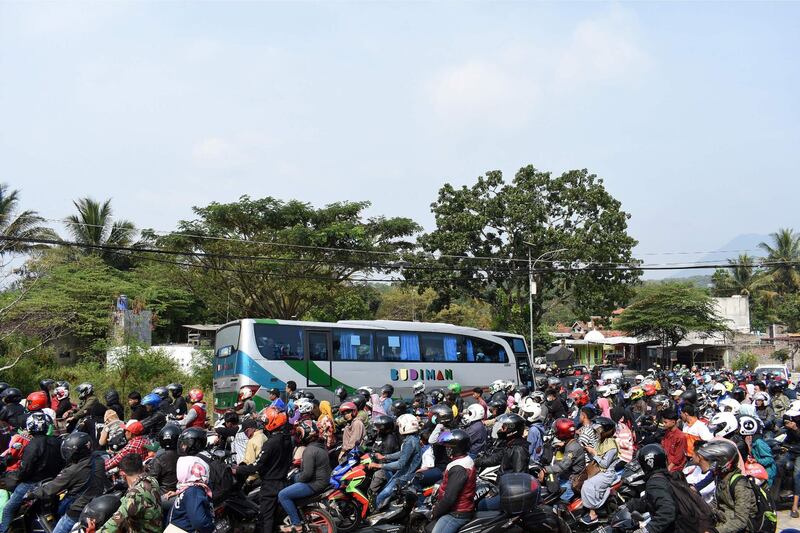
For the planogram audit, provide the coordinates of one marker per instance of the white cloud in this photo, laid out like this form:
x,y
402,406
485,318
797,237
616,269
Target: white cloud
x,y
511,85
215,151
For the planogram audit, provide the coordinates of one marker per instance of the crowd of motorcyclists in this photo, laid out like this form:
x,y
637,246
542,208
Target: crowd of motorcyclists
x,y
714,450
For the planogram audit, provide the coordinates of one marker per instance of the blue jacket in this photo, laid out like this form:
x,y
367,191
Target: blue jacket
x,y
763,455
191,511
535,441
407,461
478,435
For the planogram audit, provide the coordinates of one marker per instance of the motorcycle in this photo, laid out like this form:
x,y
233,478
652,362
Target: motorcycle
x,y
624,521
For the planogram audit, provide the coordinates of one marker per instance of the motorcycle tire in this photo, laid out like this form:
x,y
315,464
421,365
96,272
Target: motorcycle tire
x,y
317,520
348,516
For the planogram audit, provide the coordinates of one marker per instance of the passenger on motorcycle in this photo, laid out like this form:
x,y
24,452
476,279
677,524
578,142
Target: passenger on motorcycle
x,y
313,477
63,403
112,402
155,419
402,465
138,411
40,460
140,508
275,399
386,442
387,391
556,408
750,430
674,441
196,415
136,444
442,419
420,401
511,454
474,427
326,425
192,509
736,502
534,416
791,461
354,431
574,458
658,499
248,406
164,466
179,405
272,465
596,489
455,503
764,411
112,425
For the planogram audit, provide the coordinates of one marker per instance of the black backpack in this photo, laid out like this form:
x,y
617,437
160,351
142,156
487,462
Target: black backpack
x,y
692,513
766,518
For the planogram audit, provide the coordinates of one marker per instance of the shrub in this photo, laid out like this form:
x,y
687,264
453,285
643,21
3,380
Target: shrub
x,y
745,361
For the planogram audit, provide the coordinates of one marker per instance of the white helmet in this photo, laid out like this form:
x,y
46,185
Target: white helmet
x,y
763,396
407,424
497,385
613,389
718,389
246,393
723,424
707,378
538,396
677,393
638,379
303,406
531,411
729,405
509,386
472,413
749,425
418,388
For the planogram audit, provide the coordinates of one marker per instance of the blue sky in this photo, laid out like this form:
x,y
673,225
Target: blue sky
x,y
689,111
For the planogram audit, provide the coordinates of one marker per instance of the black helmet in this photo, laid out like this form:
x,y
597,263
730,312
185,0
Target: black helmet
x,y
162,392
46,385
605,423
652,457
64,384
498,404
442,414
168,437
399,407
117,440
192,441
436,396
738,394
511,425
341,393
721,454
687,380
358,400
383,423
85,390
12,395
523,391
111,397
100,509
457,442
76,446
389,389
499,396
176,389
775,387
308,395
3,387
690,396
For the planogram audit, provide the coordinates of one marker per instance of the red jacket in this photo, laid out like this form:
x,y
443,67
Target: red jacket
x,y
200,420
463,499
674,443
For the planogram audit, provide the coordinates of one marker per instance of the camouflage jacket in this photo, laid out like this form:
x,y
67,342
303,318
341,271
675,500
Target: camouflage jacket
x,y
139,511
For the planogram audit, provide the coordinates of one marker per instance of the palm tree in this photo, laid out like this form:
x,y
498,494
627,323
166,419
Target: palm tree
x,y
92,226
745,278
19,225
785,252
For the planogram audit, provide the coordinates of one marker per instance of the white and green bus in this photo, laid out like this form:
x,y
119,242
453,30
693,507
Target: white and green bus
x,y
320,357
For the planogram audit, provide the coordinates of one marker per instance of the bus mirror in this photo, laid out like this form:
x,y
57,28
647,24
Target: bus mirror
x,y
225,351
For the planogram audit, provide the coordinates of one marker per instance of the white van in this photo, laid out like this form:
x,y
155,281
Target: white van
x,y
781,370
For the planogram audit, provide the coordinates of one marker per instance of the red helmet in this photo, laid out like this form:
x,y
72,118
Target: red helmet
x,y
348,406
564,429
580,396
195,395
37,401
649,389
274,419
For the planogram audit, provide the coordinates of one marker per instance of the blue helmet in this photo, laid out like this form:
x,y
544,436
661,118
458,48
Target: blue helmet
x,y
152,399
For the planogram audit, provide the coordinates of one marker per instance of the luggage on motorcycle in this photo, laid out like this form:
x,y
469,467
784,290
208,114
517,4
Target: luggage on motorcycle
x,y
766,518
692,513
519,493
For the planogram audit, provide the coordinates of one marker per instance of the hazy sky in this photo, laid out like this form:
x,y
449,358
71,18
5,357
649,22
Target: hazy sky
x,y
689,111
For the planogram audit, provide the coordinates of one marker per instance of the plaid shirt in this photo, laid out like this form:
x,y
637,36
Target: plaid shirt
x,y
135,445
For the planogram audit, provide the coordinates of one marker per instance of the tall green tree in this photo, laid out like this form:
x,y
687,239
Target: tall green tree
x,y
270,258
743,278
668,312
784,250
93,225
538,213
19,224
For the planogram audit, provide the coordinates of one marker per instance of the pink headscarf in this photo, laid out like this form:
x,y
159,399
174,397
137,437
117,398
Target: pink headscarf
x,y
193,472
605,406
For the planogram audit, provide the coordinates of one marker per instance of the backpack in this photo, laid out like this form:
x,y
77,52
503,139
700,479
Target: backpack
x,y
766,518
692,513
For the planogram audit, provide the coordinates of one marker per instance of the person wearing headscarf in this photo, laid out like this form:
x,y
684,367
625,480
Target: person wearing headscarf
x,y
111,425
191,511
326,426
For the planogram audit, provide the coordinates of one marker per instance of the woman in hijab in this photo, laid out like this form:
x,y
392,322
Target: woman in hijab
x,y
325,425
191,511
111,425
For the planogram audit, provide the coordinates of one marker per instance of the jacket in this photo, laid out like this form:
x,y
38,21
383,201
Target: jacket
x,y
138,412
191,511
41,459
82,480
92,407
659,501
352,435
736,503
513,457
179,406
762,453
457,491
478,435
573,462
14,414
535,441
153,423
274,461
315,468
164,469
139,510
386,444
405,462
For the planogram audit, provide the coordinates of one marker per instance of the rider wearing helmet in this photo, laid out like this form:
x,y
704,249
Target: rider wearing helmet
x,y
164,466
82,479
534,414
165,405
764,411
313,477
354,432
196,415
247,405
474,427
155,419
442,419
399,407
512,454
112,402
403,463
89,406
179,405
455,499
736,501
574,458
750,430
454,397
387,442
658,499
61,401
387,391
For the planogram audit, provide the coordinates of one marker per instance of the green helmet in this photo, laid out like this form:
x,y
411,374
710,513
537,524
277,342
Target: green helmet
x,y
455,387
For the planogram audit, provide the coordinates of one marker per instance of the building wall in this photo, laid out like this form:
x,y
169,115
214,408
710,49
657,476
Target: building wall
x,y
735,310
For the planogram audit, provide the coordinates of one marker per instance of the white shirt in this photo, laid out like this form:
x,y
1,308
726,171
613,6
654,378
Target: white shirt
x,y
699,429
